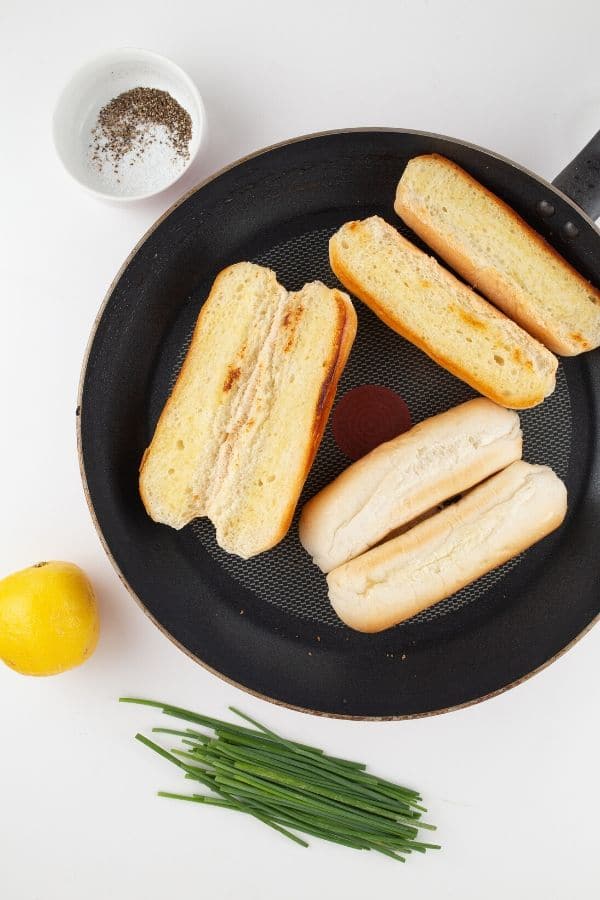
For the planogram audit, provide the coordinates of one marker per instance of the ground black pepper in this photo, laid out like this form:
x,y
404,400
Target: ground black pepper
x,y
126,123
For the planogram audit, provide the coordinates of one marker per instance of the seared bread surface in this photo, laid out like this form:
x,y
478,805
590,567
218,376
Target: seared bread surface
x,y
238,435
497,252
426,304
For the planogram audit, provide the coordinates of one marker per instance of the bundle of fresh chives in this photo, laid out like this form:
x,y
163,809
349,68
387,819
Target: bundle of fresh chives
x,y
287,785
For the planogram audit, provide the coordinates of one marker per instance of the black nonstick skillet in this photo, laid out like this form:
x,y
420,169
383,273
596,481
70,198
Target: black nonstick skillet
x,y
266,624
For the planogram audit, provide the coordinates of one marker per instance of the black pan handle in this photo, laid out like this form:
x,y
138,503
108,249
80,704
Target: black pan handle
x,y
580,180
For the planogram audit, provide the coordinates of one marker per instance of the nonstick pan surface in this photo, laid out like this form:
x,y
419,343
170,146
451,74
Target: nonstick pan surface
x,y
265,624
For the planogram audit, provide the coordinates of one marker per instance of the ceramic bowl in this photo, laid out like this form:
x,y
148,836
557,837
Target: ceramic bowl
x,y
76,114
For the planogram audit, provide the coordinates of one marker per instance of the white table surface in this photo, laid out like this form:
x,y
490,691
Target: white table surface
x,y
513,782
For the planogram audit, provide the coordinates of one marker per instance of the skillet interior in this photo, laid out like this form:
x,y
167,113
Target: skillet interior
x,y
266,624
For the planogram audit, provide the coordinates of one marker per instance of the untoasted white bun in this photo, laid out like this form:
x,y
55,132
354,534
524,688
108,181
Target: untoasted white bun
x,y
491,524
403,478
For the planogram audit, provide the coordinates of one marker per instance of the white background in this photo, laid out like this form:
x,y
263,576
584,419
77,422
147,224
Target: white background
x,y
512,783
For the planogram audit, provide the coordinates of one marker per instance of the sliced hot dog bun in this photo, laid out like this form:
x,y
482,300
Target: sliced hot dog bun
x,y
275,434
428,306
176,476
501,255
237,436
491,524
407,476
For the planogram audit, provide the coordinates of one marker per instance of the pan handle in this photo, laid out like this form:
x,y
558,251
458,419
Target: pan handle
x,y
580,180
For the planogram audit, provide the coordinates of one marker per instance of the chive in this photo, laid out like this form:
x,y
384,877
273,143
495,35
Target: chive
x,y
311,826
319,761
301,801
293,765
344,833
291,787
384,826
325,763
298,801
189,735
309,800
346,837
240,806
321,809
273,788
160,750
170,731
244,808
187,715
186,754
266,735
199,798
292,745
324,792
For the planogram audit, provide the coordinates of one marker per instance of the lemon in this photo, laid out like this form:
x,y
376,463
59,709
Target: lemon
x,y
48,618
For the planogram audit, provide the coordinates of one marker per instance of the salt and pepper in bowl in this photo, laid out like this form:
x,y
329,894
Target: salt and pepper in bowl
x,y
129,124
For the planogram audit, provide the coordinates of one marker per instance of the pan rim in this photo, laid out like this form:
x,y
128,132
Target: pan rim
x,y
91,340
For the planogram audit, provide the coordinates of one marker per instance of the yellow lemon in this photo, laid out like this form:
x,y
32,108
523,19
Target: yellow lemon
x,y
48,618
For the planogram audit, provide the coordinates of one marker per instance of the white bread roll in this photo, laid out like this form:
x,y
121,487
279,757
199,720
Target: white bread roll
x,y
496,251
407,476
493,523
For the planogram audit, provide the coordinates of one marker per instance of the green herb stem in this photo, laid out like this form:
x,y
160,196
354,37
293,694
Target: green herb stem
x,y
290,787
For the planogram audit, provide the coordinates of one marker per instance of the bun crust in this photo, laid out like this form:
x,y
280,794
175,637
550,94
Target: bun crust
x,y
491,524
496,251
237,437
432,309
406,477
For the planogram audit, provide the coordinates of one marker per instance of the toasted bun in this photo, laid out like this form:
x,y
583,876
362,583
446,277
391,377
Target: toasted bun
x,y
496,251
404,478
428,306
491,524
237,436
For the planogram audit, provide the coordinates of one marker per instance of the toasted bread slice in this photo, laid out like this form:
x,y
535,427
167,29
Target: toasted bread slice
x,y
428,306
275,435
237,437
491,524
499,254
176,476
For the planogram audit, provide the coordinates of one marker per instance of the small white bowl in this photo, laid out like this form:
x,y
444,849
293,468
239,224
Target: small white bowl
x,y
93,86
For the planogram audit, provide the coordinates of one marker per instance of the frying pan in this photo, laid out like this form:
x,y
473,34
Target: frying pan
x,y
265,624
